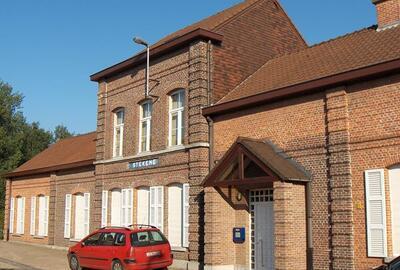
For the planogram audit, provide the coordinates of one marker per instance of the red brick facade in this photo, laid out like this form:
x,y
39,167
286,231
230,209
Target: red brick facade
x,y
388,12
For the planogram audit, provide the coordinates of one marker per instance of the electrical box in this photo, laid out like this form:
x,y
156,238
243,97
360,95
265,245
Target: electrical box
x,y
239,235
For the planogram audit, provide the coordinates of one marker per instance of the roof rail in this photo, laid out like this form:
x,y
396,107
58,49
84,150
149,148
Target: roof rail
x,y
142,225
114,227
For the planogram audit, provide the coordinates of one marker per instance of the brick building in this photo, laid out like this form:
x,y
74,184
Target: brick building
x,y
294,136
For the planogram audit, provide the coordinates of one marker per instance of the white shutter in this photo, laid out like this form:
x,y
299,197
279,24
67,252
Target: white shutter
x,y
376,213
67,216
143,206
116,207
33,215
86,218
46,215
104,204
11,225
22,216
157,207
185,215
129,206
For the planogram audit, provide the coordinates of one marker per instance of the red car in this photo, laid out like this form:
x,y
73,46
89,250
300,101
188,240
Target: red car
x,y
138,247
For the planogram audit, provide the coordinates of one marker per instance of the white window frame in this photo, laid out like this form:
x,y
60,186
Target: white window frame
x,y
20,215
180,115
146,120
121,138
67,216
33,215
43,216
157,207
143,205
11,219
370,226
104,208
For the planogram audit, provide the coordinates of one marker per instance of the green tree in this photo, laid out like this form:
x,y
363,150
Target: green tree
x,y
19,140
61,132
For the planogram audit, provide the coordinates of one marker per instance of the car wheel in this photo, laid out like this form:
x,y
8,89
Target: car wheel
x,y
117,265
74,263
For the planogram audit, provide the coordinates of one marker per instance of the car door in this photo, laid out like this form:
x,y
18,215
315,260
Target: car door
x,y
86,251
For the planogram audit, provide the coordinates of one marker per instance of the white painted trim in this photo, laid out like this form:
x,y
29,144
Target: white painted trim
x,y
180,118
149,154
148,127
121,127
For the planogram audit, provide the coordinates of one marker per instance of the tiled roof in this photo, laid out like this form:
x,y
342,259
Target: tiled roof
x,y
354,51
67,153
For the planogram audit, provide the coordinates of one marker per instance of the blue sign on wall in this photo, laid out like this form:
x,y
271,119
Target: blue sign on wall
x,y
142,164
239,235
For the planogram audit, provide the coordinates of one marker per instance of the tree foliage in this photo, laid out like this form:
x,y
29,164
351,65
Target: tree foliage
x,y
19,140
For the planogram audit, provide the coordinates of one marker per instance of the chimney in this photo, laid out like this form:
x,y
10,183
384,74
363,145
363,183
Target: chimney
x,y
388,12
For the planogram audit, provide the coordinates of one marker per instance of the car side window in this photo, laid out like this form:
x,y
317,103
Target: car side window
x,y
107,239
395,266
92,240
120,239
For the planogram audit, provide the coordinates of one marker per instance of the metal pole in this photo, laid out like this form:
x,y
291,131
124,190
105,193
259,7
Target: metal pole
x,y
148,71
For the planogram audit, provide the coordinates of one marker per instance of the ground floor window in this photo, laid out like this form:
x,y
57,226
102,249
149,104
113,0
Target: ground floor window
x,y
20,215
178,215
43,216
77,215
394,184
33,216
11,224
143,197
157,207
121,207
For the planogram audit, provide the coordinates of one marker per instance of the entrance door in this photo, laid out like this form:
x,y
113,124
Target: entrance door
x,y
263,246
394,178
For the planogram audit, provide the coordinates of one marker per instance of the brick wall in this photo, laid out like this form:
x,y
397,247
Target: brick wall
x,y
388,12
336,136
27,188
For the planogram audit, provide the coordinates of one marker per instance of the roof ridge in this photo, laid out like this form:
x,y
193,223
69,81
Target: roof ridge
x,y
372,27
77,136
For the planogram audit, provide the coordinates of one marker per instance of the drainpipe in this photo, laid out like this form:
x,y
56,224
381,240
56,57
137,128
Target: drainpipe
x,y
310,248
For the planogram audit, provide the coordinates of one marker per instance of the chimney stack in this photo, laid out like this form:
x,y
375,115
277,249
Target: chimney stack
x,y
388,12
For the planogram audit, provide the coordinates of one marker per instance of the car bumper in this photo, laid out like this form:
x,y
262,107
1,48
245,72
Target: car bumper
x,y
146,266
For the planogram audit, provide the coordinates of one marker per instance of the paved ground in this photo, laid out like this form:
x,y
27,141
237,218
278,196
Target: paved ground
x,y
18,256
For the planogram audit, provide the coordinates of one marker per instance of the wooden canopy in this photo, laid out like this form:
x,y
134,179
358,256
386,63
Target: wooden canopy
x,y
251,162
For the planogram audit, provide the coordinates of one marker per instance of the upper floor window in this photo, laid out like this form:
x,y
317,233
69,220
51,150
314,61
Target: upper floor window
x,y
176,118
145,126
118,132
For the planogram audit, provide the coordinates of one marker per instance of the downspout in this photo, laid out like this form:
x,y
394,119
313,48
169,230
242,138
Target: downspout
x,y
310,247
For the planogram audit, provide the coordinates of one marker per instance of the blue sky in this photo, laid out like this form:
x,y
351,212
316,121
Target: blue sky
x,y
48,49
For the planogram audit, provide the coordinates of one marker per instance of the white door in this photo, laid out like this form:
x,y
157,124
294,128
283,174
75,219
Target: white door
x,y
116,206
79,217
394,178
263,245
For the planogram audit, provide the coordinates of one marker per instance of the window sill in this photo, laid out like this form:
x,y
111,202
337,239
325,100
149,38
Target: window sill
x,y
179,249
17,235
38,237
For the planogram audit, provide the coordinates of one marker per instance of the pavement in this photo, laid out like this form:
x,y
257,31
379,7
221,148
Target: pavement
x,y
20,256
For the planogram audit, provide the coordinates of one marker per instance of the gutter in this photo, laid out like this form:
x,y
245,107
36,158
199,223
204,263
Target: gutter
x,y
51,169
157,51
304,88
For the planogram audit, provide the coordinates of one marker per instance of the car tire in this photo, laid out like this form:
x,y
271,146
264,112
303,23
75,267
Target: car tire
x,y
117,265
74,263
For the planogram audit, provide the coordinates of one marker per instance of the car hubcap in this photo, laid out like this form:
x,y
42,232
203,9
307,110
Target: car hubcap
x,y
74,263
117,266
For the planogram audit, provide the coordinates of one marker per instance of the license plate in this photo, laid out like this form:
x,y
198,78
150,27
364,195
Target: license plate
x,y
153,253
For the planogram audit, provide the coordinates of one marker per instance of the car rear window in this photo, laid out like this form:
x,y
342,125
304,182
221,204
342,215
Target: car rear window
x,y
147,238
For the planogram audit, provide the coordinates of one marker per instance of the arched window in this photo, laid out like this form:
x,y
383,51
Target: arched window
x,y
121,207
20,215
143,206
77,215
119,118
145,126
176,117
43,215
